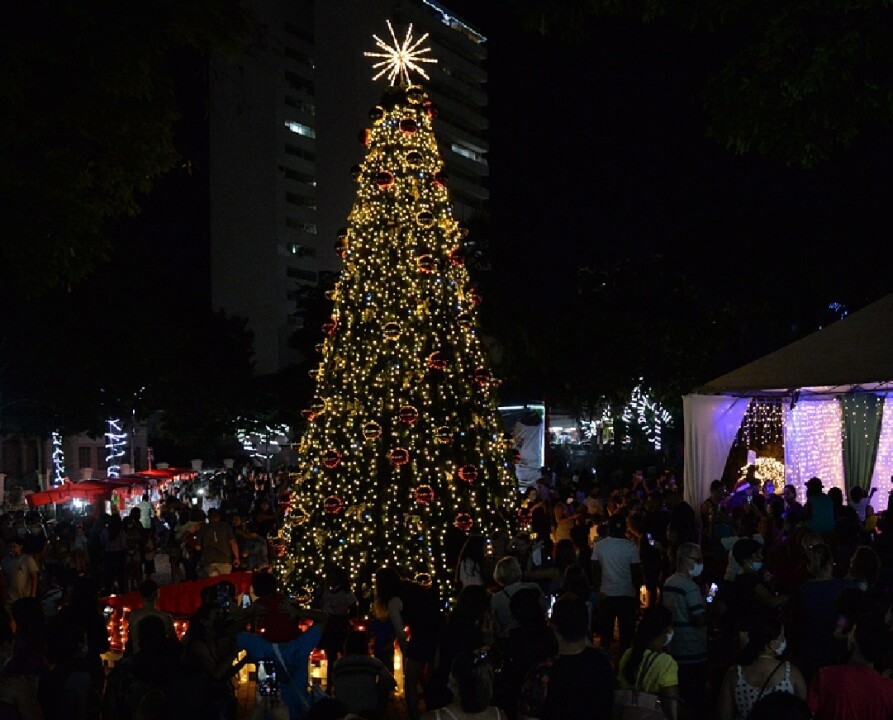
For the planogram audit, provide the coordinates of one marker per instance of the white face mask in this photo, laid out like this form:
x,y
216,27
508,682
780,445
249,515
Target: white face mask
x,y
779,651
756,565
697,569
669,638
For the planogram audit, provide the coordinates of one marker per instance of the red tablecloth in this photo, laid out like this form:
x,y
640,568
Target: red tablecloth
x,y
181,599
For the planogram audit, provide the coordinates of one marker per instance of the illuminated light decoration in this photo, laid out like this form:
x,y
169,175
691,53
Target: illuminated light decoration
x,y
398,456
475,296
812,443
431,109
318,347
464,521
341,247
279,547
385,180
482,377
308,414
115,442
443,435
437,360
441,178
372,430
525,516
424,494
399,59
457,257
425,219
333,505
331,459
58,459
316,373
461,231
649,415
468,473
376,114
408,414
365,136
424,579
330,327
392,331
508,441
766,470
882,478
318,406
260,440
762,423
426,264
330,294
465,321
415,95
355,172
409,126
515,456
414,158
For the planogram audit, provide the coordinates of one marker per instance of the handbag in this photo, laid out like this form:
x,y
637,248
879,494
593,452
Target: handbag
x,y
637,705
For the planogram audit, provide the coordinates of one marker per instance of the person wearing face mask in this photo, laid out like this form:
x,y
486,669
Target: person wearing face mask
x,y
688,646
759,671
646,666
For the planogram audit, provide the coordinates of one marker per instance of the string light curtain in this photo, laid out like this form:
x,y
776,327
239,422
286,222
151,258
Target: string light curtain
x,y
812,438
882,476
862,417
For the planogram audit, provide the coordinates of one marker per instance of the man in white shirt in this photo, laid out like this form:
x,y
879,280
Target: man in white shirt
x,y
617,576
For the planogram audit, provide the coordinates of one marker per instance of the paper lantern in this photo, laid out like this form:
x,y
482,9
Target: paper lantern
x,y
384,179
424,494
391,331
437,360
376,113
372,430
464,521
398,456
443,435
333,505
414,158
409,126
425,218
468,473
426,264
408,414
331,459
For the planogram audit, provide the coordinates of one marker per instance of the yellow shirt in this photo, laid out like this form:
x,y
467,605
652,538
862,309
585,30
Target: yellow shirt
x,y
662,673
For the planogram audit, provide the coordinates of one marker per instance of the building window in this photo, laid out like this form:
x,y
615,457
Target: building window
x,y
307,227
84,460
299,152
303,58
295,199
299,176
300,274
469,151
300,129
299,32
299,250
304,106
296,82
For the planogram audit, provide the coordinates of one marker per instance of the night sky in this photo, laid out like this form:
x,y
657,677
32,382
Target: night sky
x,y
598,152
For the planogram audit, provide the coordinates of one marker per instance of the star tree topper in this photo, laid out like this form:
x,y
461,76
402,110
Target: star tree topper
x,y
400,59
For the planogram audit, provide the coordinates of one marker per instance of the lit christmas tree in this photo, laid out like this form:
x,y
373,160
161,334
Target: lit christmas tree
x,y
404,453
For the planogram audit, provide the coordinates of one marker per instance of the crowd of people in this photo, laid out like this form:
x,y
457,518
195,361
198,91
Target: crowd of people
x,y
755,606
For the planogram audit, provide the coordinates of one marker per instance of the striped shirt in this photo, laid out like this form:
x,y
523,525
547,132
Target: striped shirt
x,y
683,599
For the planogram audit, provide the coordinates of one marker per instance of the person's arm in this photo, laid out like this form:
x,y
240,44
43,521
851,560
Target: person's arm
x,y
234,546
395,613
725,705
669,701
799,683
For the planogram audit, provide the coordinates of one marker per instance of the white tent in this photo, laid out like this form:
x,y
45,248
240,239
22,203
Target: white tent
x,y
825,380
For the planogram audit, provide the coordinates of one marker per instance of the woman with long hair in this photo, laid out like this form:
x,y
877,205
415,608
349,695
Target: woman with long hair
x,y
646,666
471,681
760,671
470,566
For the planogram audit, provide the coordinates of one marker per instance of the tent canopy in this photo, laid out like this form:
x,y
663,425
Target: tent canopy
x,y
853,353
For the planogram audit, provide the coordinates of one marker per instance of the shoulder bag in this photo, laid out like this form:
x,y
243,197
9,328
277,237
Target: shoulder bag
x,y
636,705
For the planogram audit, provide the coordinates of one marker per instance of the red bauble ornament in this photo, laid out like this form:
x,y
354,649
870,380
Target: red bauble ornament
x,y
437,360
331,459
308,415
399,456
424,494
414,158
468,473
333,505
409,126
441,178
431,109
384,179
482,377
372,430
330,327
408,414
464,521
457,257
443,435
426,264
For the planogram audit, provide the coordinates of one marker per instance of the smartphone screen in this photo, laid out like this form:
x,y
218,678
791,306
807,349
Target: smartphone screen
x,y
711,593
650,538
267,683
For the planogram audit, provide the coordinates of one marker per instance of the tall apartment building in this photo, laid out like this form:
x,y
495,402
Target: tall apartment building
x,y
284,133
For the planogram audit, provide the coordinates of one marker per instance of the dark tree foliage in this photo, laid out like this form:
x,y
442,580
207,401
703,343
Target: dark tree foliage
x,y
796,80
86,114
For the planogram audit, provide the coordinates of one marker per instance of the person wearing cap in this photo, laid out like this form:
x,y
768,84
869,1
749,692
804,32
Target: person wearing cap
x,y
819,508
20,572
